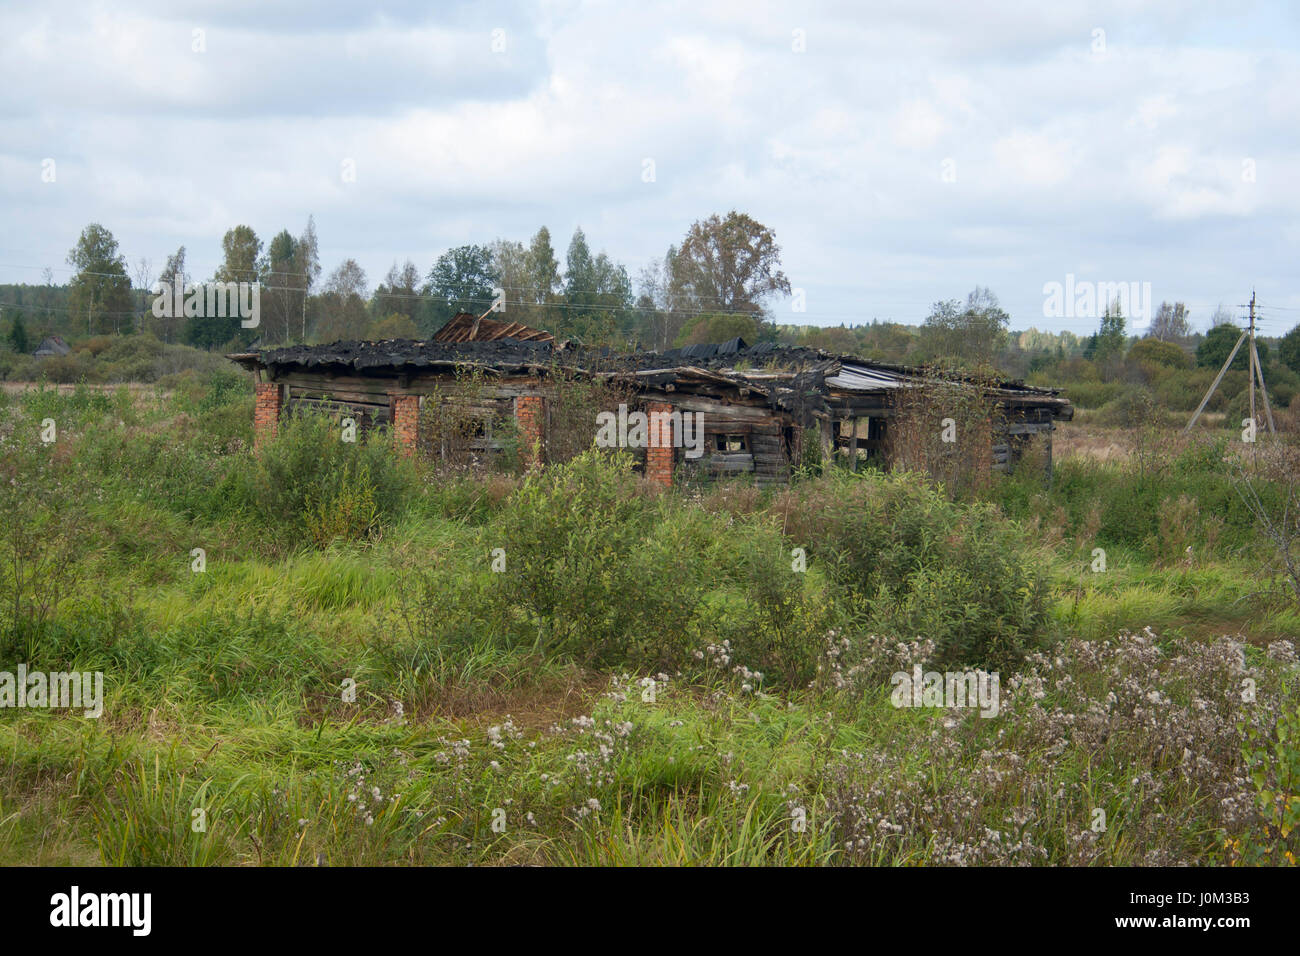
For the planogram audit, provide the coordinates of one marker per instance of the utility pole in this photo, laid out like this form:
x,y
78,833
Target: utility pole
x,y
1252,358
1255,372
1259,372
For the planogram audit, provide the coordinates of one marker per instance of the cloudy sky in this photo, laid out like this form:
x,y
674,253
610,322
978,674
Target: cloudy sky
x,y
902,152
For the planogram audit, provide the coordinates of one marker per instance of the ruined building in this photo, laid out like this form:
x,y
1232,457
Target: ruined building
x,y
762,409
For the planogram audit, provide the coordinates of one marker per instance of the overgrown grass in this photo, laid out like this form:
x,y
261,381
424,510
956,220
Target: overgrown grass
x,y
645,679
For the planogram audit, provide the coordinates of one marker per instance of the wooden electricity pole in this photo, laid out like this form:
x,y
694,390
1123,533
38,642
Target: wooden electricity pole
x,y
1250,359
1259,372
1255,372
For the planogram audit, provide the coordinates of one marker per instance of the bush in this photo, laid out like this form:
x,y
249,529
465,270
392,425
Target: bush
x,y
292,482
1180,391
1132,408
1218,344
594,572
66,369
1155,352
961,576
130,358
573,537
350,514
1092,394
17,368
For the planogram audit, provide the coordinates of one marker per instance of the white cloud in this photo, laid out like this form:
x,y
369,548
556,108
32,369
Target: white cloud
x,y
1130,162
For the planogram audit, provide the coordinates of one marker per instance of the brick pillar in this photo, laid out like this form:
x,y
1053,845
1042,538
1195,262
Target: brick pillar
x,y
266,411
406,421
530,413
659,452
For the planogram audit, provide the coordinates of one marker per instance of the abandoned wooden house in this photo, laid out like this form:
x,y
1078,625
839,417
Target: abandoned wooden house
x,y
763,409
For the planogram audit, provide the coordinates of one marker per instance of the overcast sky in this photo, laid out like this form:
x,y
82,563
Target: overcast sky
x,y
902,152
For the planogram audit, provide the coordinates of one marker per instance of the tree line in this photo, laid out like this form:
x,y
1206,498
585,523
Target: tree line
x,y
726,266
716,284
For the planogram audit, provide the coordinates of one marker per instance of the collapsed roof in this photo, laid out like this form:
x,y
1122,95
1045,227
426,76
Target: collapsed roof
x,y
803,381
466,327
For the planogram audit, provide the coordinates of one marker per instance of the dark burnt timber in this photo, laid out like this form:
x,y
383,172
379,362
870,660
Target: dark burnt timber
x,y
756,401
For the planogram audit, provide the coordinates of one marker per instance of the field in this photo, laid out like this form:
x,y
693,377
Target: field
x,y
324,654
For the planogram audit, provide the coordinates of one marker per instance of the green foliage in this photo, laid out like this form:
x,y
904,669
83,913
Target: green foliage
x,y
153,821
291,484
1131,408
969,335
1272,763
574,533
1217,345
926,567
461,280
18,335
1155,352
1092,394
591,571
100,292
393,326
349,515
720,328
223,689
1288,350
1109,340
728,264
1123,504
41,518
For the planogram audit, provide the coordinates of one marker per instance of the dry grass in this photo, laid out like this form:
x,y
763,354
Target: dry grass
x,y
1083,438
137,390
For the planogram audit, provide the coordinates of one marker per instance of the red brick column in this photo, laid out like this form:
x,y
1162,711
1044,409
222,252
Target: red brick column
x,y
659,452
530,413
266,411
406,421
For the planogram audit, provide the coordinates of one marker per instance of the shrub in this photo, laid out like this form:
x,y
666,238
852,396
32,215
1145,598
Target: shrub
x,y
959,575
1131,408
1092,394
1272,763
349,514
595,573
572,536
290,484
66,369
1155,352
130,358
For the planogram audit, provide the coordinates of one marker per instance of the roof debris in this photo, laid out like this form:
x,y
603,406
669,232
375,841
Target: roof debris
x,y
796,378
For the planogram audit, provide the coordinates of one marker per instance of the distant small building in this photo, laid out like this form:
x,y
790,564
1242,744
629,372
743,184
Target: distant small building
x,y
54,345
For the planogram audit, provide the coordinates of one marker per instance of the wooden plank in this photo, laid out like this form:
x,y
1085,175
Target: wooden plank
x,y
853,443
337,395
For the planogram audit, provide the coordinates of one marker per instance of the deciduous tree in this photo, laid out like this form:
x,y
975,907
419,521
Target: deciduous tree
x,y
729,264
100,292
